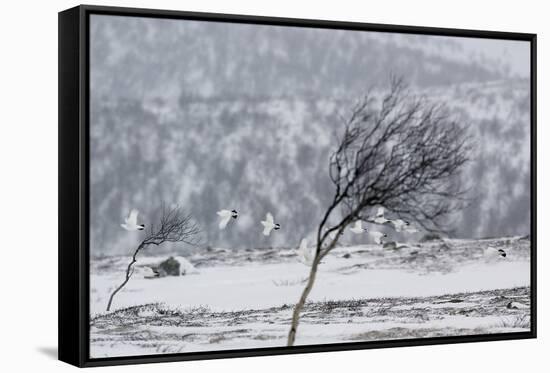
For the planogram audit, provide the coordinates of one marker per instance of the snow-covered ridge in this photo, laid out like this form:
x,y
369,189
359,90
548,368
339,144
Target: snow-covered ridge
x,y
244,298
227,279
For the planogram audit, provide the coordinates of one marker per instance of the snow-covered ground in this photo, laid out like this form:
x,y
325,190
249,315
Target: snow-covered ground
x,y
243,299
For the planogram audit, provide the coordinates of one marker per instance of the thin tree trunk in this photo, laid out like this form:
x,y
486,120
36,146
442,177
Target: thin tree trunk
x,y
129,273
116,291
300,305
319,255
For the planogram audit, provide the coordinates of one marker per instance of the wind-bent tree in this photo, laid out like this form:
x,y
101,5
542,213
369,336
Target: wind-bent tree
x,y
402,152
174,226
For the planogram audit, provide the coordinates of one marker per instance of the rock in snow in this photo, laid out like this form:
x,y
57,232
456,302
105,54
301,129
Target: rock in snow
x,y
517,306
172,267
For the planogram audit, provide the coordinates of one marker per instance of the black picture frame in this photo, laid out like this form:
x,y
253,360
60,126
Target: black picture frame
x,y
74,184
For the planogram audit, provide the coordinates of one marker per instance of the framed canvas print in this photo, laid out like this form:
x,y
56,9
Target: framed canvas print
x,y
234,186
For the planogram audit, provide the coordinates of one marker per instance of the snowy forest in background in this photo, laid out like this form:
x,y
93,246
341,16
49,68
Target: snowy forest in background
x,y
214,115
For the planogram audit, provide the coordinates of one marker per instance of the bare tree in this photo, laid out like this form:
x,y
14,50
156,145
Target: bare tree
x,y
402,152
174,226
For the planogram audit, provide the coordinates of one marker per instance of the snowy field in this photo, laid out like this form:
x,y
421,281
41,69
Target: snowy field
x,y
243,299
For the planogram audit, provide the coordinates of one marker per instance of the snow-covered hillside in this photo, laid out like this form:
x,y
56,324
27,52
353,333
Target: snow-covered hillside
x,y
272,154
140,58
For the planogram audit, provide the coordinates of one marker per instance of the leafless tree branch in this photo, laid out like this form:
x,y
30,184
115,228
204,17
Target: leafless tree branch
x,y
402,152
174,226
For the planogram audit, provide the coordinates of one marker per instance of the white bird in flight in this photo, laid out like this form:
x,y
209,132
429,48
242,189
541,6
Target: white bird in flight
x,y
225,216
379,218
377,236
305,255
399,224
269,224
358,228
492,253
130,223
